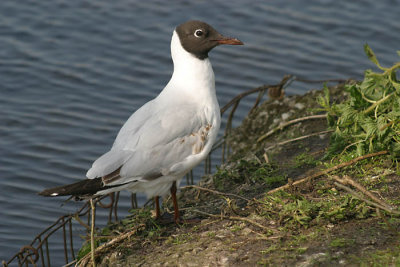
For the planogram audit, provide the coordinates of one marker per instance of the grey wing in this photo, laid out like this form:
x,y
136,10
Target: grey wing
x,y
165,140
117,156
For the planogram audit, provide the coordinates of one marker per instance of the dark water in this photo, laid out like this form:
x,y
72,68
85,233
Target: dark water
x,y
71,72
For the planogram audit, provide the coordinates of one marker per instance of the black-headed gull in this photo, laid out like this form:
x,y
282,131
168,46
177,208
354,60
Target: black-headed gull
x,y
169,135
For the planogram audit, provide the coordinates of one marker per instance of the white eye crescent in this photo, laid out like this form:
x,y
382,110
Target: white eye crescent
x,y
198,33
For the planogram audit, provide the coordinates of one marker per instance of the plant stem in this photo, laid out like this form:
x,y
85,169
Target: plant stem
x,y
386,125
280,127
372,107
326,171
92,245
396,66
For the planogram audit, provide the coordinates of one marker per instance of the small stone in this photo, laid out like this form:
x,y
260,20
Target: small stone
x,y
175,256
322,136
299,106
196,250
285,116
246,231
223,261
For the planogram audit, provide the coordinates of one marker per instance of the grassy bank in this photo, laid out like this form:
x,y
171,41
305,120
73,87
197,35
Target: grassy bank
x,y
310,180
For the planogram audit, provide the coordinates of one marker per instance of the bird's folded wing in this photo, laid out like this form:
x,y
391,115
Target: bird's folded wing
x,y
165,139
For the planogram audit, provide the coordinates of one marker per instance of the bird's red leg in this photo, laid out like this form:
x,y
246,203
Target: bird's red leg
x,y
176,209
156,201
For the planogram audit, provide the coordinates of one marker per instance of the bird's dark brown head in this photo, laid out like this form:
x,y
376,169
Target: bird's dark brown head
x,y
198,38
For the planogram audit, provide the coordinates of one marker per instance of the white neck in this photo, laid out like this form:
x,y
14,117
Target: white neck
x,y
191,75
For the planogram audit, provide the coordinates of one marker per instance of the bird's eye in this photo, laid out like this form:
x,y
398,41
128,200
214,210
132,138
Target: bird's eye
x,y
198,33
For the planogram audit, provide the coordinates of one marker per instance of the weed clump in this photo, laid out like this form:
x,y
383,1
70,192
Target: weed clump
x,y
293,210
249,172
369,120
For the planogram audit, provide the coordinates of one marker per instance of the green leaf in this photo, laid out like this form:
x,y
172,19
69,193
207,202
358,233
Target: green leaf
x,y
356,99
360,149
394,115
370,54
85,249
395,149
381,125
369,126
394,81
398,52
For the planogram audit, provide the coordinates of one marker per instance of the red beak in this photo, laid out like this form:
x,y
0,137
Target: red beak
x,y
228,41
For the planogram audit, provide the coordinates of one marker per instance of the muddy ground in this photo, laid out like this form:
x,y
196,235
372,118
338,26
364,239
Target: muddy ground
x,y
315,223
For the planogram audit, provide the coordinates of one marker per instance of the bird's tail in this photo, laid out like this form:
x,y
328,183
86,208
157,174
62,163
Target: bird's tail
x,y
80,190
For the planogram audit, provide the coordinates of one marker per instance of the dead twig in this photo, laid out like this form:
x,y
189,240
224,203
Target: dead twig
x,y
92,244
70,263
297,139
388,224
235,218
320,173
320,81
76,217
240,96
284,80
101,249
215,192
228,128
360,197
264,237
221,193
236,100
284,125
346,180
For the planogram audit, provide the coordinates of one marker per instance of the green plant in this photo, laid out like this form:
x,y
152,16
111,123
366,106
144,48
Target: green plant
x,y
369,120
304,159
341,242
293,211
248,171
85,249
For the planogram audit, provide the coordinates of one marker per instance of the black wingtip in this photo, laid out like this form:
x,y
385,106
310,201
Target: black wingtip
x,y
48,193
81,189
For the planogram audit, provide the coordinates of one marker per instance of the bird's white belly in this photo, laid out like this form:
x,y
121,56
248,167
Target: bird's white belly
x,y
157,187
